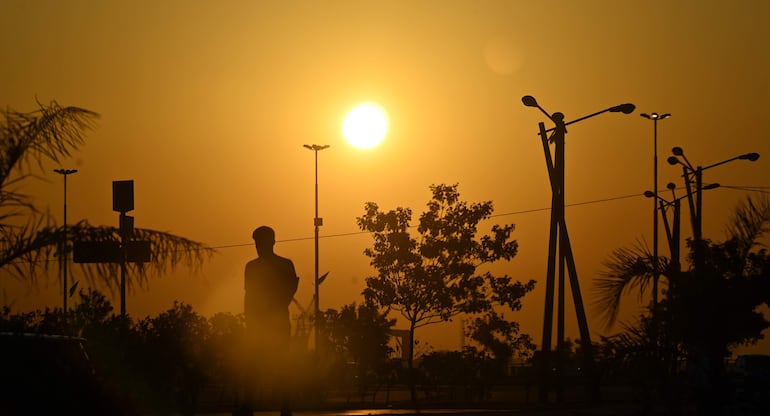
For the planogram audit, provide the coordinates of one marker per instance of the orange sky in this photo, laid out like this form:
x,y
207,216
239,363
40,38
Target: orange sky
x,y
206,106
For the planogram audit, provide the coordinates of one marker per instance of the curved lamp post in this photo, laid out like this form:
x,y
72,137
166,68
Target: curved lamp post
x,y
559,244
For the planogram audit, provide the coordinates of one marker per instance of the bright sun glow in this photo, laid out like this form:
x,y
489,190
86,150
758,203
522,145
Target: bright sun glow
x,y
365,125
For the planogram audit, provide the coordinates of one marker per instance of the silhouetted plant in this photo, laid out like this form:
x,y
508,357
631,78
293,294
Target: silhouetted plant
x,y
29,237
359,335
708,309
434,278
500,337
175,347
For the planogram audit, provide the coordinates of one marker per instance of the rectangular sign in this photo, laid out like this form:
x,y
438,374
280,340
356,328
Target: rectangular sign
x,y
111,252
123,196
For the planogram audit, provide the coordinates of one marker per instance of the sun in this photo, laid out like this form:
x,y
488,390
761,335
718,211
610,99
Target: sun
x,y
365,125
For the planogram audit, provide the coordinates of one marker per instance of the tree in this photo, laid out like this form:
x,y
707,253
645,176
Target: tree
x,y
360,334
29,237
500,337
709,307
435,278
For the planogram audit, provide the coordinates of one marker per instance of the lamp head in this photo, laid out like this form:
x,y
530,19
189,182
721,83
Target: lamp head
x,y
626,108
649,194
529,101
749,156
655,116
671,186
672,160
65,171
677,151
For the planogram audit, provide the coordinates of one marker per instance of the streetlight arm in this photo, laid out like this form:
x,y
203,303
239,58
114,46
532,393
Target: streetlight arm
x,y
627,108
668,203
752,157
530,101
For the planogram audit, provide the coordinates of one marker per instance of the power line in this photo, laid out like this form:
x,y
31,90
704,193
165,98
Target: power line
x,y
526,211
759,189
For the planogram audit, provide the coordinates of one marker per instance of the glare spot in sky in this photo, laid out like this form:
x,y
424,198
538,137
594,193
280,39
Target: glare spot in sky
x,y
501,56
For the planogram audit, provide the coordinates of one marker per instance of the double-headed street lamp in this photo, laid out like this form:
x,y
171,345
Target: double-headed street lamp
x,y
656,272
64,256
317,222
692,174
559,243
673,231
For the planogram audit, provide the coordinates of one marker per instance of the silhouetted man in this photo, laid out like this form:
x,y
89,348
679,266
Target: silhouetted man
x,y
270,282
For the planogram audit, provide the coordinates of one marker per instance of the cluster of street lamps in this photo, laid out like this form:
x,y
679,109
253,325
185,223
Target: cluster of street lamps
x,y
693,178
559,238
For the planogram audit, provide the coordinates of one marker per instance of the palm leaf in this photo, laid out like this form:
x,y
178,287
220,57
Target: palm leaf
x,y
28,246
627,269
750,222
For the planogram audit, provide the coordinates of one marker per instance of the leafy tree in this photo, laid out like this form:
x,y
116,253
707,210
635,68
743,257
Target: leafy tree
x,y
29,237
360,335
435,277
175,350
465,375
711,306
500,337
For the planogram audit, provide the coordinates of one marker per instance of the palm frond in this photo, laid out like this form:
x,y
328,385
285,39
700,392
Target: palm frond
x,y
49,133
749,223
168,251
24,249
627,268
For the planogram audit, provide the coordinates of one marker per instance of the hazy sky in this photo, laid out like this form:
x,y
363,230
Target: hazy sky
x,y
206,106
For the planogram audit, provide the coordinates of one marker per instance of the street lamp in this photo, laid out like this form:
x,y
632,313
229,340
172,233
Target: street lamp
x,y
559,243
317,222
656,272
692,173
673,232
64,244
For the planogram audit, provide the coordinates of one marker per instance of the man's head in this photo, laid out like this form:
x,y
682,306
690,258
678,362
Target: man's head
x,y
264,239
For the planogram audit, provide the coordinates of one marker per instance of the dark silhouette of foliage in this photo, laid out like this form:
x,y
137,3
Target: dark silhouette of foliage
x,y
500,337
28,237
359,334
709,307
435,278
462,377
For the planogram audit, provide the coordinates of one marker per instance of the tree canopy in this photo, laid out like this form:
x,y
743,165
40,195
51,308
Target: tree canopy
x,y
435,277
709,307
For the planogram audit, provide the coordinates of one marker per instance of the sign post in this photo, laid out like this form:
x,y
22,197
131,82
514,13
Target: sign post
x,y
124,251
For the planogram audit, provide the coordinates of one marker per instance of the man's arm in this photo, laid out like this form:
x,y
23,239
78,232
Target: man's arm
x,y
293,281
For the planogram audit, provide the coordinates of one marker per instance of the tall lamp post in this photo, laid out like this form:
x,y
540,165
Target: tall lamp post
x,y
64,257
559,243
656,271
673,230
317,222
694,174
